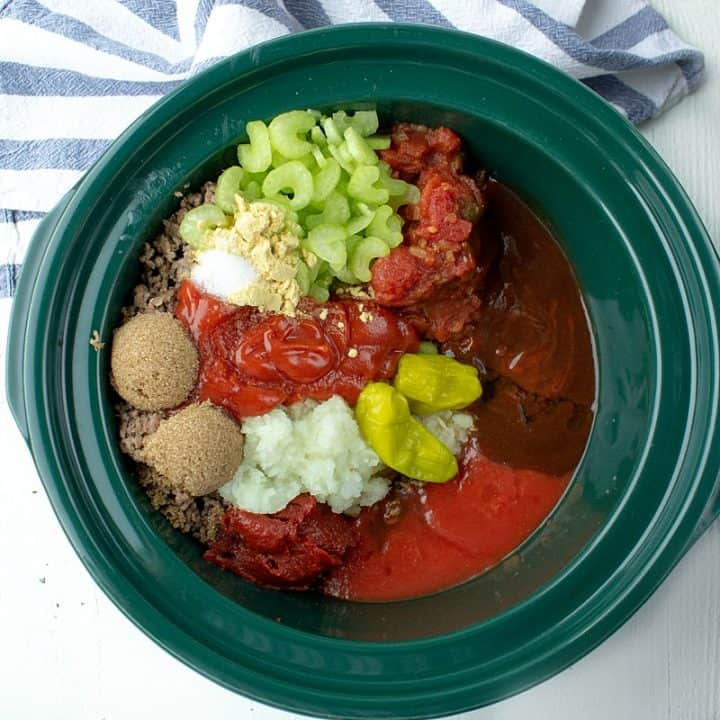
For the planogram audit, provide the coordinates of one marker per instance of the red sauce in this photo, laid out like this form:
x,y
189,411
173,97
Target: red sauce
x,y
287,550
426,537
252,362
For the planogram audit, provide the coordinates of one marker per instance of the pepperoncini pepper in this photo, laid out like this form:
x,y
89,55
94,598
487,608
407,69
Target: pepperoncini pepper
x,y
400,440
436,382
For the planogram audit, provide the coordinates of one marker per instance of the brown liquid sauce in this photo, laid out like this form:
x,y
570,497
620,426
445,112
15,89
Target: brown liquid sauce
x,y
531,344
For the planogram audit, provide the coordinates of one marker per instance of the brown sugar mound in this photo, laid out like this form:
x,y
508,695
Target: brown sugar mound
x,y
154,362
197,450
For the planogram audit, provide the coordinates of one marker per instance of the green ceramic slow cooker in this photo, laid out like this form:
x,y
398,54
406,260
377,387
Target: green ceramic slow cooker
x,y
647,485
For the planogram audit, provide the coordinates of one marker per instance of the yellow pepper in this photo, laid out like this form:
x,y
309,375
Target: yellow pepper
x,y
400,440
436,382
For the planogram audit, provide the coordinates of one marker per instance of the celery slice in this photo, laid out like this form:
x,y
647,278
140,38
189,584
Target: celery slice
x,y
228,186
386,225
328,243
326,180
362,185
364,252
288,131
201,220
293,178
256,156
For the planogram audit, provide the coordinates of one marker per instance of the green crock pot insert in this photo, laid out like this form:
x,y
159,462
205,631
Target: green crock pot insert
x,y
647,483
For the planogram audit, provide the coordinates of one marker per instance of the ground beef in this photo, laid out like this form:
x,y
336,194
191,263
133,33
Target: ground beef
x,y
164,264
164,261
200,517
134,426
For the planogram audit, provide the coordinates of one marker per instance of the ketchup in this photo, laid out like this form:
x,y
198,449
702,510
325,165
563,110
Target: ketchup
x,y
251,362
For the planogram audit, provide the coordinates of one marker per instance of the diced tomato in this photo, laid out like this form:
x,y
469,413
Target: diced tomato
x,y
415,147
435,271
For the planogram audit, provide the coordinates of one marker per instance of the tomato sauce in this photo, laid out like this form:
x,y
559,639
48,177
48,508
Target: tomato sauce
x,y
251,362
426,537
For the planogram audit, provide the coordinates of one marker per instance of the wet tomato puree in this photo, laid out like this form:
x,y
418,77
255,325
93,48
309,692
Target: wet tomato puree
x,y
426,537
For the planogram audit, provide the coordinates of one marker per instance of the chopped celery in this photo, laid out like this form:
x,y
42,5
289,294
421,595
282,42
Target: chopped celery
x,y
318,136
364,252
358,148
287,133
303,277
294,177
325,180
228,186
257,155
359,222
379,142
345,160
336,212
328,243
337,195
332,131
319,293
362,185
386,225
365,122
198,221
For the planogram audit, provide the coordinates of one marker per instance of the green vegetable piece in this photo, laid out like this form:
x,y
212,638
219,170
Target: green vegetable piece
x,y
362,185
292,177
319,293
365,122
344,275
364,252
436,382
332,131
358,148
320,159
252,191
328,243
399,439
346,161
326,180
229,185
287,133
318,136
387,226
256,156
358,223
379,142
201,220
335,212
303,277
427,348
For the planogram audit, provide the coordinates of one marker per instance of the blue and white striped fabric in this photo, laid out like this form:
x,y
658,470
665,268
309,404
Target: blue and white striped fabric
x,y
75,73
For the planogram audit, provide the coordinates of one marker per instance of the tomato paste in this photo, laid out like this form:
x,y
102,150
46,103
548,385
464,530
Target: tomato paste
x,y
251,362
287,550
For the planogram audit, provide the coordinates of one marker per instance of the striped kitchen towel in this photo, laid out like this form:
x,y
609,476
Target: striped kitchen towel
x,y
75,73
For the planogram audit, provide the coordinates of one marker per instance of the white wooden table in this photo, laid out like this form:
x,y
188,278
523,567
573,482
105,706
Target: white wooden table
x,y
69,654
